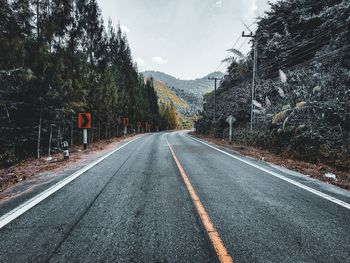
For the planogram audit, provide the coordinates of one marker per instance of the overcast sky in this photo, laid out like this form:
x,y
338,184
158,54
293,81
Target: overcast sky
x,y
184,38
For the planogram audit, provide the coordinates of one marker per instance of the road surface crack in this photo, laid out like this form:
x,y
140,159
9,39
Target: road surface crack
x,y
86,210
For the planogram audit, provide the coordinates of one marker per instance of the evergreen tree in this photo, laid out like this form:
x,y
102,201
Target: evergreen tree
x,y
56,59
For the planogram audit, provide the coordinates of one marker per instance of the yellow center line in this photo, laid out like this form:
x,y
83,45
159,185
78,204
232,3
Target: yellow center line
x,y
214,236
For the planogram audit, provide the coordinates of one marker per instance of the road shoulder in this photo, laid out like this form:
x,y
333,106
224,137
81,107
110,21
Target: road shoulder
x,y
304,179
47,175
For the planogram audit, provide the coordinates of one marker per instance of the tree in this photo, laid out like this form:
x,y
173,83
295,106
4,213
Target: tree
x,y
306,116
57,58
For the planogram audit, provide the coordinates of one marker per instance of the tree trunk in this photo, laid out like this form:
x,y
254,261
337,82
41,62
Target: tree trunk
x,y
39,135
72,132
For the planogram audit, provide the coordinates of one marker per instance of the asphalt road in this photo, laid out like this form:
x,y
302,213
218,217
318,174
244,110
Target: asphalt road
x,y
134,207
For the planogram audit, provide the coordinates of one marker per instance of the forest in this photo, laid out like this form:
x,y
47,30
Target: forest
x,y
301,106
58,58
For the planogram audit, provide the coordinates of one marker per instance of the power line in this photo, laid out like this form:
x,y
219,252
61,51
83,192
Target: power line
x,y
239,37
319,59
215,87
291,61
228,54
310,40
290,51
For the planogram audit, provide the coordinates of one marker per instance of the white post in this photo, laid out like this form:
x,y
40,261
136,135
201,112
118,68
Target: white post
x,y
71,131
254,80
65,150
50,139
230,135
230,121
39,135
85,138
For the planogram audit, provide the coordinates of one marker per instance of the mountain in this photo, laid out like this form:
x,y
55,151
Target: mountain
x,y
166,95
190,91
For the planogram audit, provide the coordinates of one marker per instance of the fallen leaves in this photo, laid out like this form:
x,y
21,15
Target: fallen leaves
x,y
29,168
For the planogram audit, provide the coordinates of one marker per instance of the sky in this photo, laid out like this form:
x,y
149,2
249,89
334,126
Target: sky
x,y
184,38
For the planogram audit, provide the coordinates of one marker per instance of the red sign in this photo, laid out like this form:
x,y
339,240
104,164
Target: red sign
x,y
84,120
125,121
138,124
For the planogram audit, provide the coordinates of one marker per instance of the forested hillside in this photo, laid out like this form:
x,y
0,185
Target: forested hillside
x,y
58,58
190,91
175,113
302,97
165,95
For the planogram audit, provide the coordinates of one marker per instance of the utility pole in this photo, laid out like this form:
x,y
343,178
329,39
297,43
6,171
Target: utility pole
x,y
215,87
255,64
215,80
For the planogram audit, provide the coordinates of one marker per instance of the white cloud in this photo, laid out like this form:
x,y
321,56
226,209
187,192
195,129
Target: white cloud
x,y
159,60
139,61
124,29
162,39
219,3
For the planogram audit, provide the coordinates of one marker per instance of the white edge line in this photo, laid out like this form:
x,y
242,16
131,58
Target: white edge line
x,y
309,189
21,209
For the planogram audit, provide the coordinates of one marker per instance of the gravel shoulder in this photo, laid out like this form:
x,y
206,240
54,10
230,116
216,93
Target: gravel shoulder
x,y
29,174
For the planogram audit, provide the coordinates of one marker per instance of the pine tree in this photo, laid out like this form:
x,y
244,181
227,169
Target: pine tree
x,y
57,58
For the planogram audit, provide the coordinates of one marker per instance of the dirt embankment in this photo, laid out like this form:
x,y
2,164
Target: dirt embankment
x,y
320,171
31,167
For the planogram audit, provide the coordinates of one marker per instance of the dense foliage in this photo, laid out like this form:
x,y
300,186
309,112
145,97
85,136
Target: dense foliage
x,y
302,99
57,58
168,116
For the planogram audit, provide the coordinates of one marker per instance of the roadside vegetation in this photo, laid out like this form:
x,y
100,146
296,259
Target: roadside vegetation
x,y
302,96
58,58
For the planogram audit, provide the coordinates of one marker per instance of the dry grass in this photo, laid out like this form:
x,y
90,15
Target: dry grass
x,y
31,167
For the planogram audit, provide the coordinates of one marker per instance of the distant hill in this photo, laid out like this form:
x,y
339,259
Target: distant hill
x,y
190,91
166,95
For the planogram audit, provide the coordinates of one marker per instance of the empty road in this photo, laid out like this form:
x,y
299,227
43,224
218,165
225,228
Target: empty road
x,y
166,197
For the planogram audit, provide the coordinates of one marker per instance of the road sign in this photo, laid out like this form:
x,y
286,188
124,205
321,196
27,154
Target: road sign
x,y
125,121
84,120
138,124
230,119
